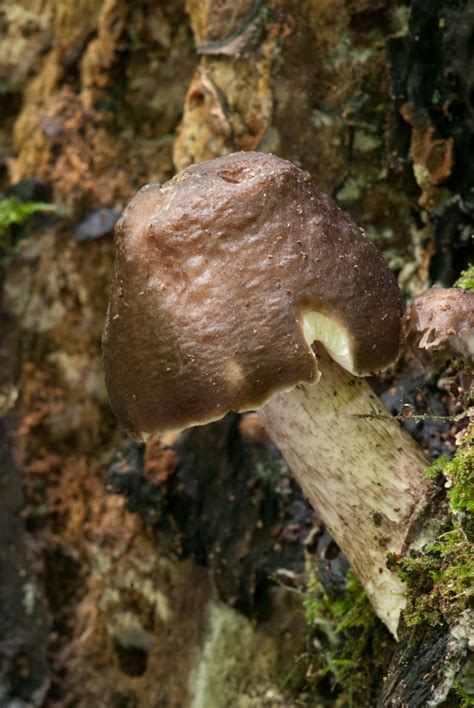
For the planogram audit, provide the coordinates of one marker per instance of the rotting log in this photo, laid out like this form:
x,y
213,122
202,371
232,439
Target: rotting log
x,y
99,98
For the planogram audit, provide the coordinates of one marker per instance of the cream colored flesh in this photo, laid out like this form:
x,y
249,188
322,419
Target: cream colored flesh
x,y
319,328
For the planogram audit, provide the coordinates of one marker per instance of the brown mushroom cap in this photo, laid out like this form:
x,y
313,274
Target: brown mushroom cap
x,y
215,271
439,325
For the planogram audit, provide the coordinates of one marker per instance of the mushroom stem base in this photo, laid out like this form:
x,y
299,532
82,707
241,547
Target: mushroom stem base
x,y
360,470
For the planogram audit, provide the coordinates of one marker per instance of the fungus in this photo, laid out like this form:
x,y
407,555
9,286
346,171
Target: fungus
x,y
225,278
439,325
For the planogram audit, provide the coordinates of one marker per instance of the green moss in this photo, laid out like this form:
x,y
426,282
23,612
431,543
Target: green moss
x,y
465,699
13,212
356,649
459,474
349,647
440,577
466,279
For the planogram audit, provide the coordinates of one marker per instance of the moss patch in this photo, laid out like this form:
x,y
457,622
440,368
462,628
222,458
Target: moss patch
x,y
349,646
14,212
440,577
465,700
466,279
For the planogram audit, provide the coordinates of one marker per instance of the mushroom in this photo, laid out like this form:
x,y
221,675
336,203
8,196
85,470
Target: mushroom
x,y
439,325
225,278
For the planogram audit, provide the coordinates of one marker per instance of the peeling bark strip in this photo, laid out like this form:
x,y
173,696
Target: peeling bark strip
x,y
241,39
229,104
369,487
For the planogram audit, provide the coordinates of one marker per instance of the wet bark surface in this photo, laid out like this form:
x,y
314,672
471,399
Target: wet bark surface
x,y
422,667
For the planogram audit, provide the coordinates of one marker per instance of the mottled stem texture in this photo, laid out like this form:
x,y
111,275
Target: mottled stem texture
x,y
361,471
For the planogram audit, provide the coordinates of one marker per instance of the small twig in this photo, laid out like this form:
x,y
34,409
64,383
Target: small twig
x,y
408,415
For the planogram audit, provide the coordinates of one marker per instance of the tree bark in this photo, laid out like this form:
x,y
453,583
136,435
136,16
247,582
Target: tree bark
x,y
99,97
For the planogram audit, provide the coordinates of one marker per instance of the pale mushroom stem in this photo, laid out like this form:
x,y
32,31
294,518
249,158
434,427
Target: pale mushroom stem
x,y
360,470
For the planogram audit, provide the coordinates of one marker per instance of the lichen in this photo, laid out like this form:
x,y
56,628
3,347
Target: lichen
x,y
349,647
30,593
235,661
440,577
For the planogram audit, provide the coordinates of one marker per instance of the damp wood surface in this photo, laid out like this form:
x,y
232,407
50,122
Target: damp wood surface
x,y
174,574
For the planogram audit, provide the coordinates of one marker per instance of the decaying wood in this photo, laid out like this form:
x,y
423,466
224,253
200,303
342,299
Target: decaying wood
x,y
99,97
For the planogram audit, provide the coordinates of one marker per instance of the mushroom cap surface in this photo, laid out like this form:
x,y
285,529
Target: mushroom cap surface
x,y
439,325
215,272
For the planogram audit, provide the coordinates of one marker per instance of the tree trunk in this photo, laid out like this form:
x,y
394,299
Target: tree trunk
x,y
162,567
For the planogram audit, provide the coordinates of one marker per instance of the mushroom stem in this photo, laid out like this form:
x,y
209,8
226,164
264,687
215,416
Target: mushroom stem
x,y
364,474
